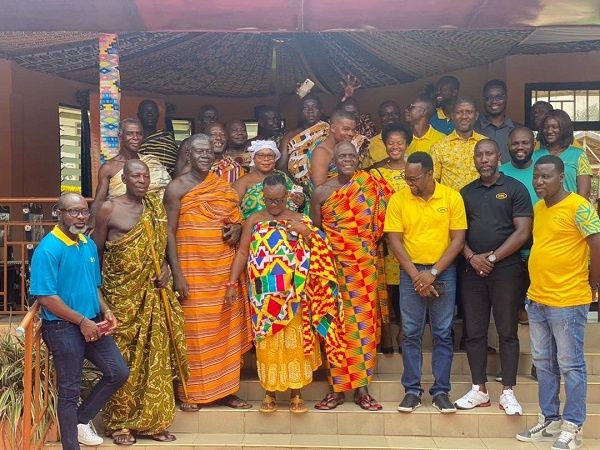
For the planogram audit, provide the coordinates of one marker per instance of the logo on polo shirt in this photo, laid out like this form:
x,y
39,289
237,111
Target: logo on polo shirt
x,y
92,259
501,196
442,209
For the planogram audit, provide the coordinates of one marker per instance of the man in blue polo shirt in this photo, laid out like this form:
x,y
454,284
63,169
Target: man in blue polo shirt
x,y
65,279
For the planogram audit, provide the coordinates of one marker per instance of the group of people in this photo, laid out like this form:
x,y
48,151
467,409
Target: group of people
x,y
298,242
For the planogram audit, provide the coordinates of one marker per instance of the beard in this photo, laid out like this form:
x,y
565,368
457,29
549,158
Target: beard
x,y
76,230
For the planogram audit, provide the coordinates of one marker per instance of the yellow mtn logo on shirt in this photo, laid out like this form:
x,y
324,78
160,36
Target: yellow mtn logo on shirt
x,y
442,209
501,196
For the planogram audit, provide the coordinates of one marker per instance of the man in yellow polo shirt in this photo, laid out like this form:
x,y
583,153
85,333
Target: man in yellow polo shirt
x,y
453,155
389,112
426,224
566,235
417,115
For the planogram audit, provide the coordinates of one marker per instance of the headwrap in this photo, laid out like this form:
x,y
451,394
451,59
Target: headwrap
x,y
261,145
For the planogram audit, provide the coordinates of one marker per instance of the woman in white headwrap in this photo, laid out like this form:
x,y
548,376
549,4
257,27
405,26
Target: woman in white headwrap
x,y
250,187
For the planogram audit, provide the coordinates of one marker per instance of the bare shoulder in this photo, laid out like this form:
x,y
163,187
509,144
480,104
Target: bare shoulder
x,y
111,167
177,188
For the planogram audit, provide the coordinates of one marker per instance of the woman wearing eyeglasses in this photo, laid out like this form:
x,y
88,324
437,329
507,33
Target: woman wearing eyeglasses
x,y
264,154
293,294
396,137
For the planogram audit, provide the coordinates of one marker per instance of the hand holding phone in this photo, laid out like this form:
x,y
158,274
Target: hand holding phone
x,y
104,326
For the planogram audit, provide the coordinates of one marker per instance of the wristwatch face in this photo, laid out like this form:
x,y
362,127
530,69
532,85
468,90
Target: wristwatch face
x,y
492,258
434,272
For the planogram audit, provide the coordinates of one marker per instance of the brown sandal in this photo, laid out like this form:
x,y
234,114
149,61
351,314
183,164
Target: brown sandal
x,y
233,401
297,405
189,407
331,401
123,437
368,403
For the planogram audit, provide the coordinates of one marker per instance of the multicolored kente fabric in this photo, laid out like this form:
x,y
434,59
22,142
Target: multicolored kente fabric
x,y
300,146
162,145
143,336
159,178
353,219
291,277
253,200
217,334
227,169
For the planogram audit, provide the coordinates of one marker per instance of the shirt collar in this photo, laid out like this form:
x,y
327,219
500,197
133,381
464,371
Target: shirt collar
x,y
455,137
437,193
484,122
498,182
58,233
441,114
426,136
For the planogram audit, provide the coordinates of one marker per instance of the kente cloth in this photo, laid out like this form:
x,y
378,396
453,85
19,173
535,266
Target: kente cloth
x,y
146,402
394,179
227,169
253,200
300,146
280,360
353,218
159,178
216,334
289,278
162,145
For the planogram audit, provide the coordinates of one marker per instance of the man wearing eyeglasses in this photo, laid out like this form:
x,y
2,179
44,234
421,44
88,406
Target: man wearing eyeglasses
x,y
494,124
65,278
417,115
425,223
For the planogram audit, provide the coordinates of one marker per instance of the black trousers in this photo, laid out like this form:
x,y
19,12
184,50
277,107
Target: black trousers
x,y
501,290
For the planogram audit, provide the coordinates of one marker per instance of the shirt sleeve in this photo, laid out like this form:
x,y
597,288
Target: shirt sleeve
x,y
586,219
458,216
44,272
393,215
522,206
583,165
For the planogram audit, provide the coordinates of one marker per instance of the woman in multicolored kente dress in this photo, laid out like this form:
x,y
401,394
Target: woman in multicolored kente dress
x,y
396,137
294,296
250,187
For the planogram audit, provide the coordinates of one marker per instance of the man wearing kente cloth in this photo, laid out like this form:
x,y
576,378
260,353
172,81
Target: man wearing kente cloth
x,y
294,295
204,228
150,336
349,209
110,183
159,143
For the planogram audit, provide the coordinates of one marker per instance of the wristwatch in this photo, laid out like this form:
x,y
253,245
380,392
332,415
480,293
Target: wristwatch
x,y
492,258
434,272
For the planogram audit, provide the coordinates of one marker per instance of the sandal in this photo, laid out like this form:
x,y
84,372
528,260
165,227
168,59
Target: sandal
x,y
233,401
368,403
268,405
331,401
189,407
297,405
123,437
163,436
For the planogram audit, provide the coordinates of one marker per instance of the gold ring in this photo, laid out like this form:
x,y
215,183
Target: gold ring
x,y
481,272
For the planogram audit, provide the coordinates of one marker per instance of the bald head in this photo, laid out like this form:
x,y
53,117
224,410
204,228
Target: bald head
x,y
132,165
68,199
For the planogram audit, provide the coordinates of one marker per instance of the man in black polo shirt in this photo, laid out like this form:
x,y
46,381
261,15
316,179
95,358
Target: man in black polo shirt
x,y
499,217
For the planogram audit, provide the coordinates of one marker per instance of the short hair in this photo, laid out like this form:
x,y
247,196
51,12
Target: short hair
x,y
566,127
387,103
147,101
198,137
494,83
464,99
397,128
127,121
231,122
428,101
558,163
521,128
348,101
452,81
487,141
340,114
275,179
421,158
205,108
262,110
548,105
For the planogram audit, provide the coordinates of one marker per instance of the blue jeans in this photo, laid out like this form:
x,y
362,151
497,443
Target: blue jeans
x,y
441,311
69,349
557,347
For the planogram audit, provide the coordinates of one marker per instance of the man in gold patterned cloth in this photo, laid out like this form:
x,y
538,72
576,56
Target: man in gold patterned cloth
x,y
127,228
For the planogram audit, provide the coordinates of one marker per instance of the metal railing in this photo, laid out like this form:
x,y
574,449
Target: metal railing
x,y
36,384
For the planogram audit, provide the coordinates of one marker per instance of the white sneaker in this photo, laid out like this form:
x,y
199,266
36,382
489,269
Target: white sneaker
x,y
509,404
545,430
570,437
86,434
473,398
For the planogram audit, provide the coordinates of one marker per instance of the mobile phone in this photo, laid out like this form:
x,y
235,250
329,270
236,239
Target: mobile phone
x,y
440,287
305,88
296,190
103,326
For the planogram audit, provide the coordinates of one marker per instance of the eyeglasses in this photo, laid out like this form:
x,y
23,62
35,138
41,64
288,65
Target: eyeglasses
x,y
411,107
76,212
413,180
495,98
274,201
264,156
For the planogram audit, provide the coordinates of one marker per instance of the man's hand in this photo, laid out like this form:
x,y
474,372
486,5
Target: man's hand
x,y
230,295
112,320
349,86
232,236
423,280
162,281
90,331
481,265
298,227
180,285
